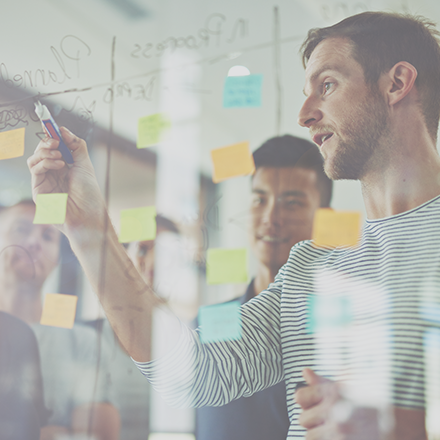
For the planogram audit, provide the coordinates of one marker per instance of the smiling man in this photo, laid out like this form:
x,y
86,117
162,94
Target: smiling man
x,y
372,92
288,186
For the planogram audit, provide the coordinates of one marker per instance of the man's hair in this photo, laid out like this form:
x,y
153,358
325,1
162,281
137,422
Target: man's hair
x,y
291,151
380,40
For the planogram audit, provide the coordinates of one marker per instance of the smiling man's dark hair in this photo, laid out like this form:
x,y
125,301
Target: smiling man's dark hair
x,y
380,40
291,151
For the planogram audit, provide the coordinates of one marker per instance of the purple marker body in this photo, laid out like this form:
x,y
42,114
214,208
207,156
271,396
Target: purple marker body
x,y
53,130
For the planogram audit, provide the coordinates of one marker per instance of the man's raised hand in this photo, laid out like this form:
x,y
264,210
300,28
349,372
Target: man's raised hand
x,y
50,174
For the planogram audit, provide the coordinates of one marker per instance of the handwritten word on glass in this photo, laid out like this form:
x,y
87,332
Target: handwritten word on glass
x,y
138,224
242,91
336,228
220,322
59,310
51,209
226,266
232,161
327,312
151,129
12,143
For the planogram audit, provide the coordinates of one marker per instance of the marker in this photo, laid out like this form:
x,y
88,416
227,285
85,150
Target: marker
x,y
53,130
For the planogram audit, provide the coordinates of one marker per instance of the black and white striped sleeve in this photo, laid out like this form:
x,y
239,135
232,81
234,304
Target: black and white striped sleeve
x,y
196,374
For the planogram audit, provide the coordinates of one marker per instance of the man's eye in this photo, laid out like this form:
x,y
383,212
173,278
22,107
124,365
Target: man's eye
x,y
142,251
48,236
326,87
292,202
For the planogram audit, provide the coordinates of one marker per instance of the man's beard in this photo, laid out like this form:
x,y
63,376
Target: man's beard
x,y
362,135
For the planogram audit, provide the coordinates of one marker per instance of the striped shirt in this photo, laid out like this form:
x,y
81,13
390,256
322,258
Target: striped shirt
x,y
366,327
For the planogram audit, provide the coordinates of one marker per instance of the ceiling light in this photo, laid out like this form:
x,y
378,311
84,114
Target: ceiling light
x,y
239,71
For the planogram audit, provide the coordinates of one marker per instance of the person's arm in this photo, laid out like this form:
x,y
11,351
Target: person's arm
x,y
319,401
195,373
126,299
103,419
214,374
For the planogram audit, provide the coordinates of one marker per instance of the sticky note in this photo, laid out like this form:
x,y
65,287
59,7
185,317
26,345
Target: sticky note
x,y
12,143
151,129
220,322
59,310
138,224
232,161
328,312
336,228
51,209
226,266
242,91
430,312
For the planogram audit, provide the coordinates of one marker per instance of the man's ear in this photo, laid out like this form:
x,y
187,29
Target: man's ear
x,y
400,81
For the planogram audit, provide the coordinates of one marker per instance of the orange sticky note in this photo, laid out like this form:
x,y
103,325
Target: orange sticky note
x,y
59,310
336,228
232,161
12,143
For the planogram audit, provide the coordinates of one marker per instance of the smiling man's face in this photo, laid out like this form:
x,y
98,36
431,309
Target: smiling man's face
x,y
347,118
284,201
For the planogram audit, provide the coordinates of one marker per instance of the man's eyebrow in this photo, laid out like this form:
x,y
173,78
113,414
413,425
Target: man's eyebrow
x,y
295,193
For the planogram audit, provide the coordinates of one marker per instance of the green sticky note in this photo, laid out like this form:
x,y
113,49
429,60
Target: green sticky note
x,y
220,322
242,91
151,129
51,209
327,312
138,224
226,266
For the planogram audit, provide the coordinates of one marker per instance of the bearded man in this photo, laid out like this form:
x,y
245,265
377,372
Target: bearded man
x,y
372,105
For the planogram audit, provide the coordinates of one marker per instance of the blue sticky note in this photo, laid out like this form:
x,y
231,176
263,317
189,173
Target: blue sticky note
x,y
431,339
430,312
242,91
220,322
328,312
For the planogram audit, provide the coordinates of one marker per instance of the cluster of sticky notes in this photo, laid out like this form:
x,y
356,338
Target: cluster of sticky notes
x,y
50,209
59,310
225,266
151,129
327,312
220,322
242,91
137,224
232,161
336,228
12,143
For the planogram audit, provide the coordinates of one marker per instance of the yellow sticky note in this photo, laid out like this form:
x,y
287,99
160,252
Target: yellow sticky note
x,y
151,129
232,161
336,228
51,209
12,143
59,310
138,224
226,266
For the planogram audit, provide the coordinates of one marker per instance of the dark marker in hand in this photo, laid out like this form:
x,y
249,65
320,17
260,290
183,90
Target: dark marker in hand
x,y
52,130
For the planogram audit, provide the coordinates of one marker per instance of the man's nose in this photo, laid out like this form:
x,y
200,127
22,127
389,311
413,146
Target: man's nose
x,y
33,242
309,113
271,215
